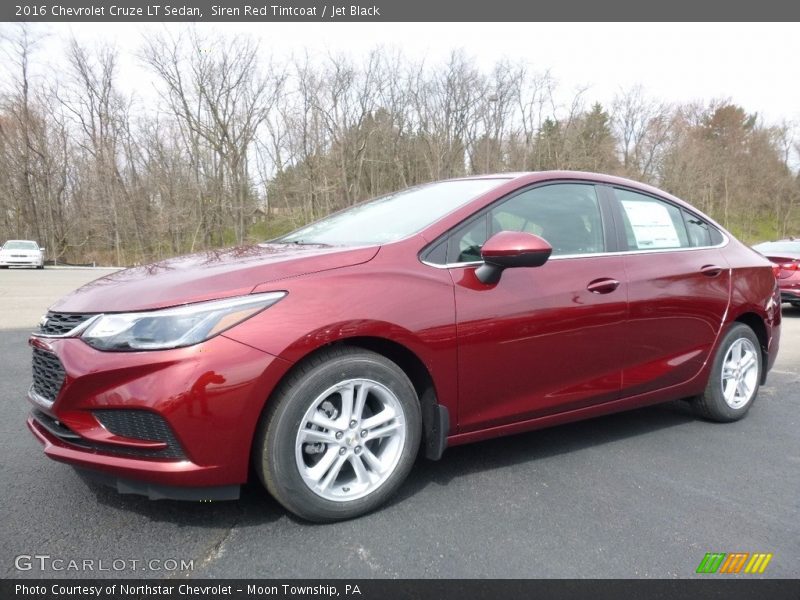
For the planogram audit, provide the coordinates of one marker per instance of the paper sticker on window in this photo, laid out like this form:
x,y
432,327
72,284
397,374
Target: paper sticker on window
x,y
652,225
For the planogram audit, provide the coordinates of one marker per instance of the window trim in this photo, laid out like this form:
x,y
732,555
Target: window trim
x,y
476,263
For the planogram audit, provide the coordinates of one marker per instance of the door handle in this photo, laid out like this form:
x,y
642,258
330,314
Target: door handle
x,y
710,270
602,286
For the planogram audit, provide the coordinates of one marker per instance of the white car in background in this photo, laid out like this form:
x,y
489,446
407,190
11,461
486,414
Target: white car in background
x,y
22,253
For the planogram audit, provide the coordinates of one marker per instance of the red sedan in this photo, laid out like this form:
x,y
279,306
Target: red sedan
x,y
447,313
785,255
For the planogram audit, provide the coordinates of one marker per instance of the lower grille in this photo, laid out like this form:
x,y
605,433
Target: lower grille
x,y
57,428
173,451
48,374
141,425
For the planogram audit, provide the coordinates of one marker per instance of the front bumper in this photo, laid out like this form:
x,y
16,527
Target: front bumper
x,y
21,262
209,396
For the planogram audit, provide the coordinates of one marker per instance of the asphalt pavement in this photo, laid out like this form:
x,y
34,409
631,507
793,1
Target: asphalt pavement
x,y
639,494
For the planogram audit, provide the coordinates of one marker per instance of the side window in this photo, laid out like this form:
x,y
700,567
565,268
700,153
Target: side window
x,y
466,243
700,233
567,215
651,224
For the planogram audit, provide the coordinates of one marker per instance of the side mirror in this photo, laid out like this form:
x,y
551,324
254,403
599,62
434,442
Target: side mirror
x,y
42,249
510,249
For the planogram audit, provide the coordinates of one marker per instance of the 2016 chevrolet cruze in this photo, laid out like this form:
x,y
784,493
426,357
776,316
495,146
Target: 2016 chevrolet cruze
x,y
447,313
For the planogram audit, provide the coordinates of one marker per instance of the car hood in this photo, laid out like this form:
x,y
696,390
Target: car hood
x,y
208,275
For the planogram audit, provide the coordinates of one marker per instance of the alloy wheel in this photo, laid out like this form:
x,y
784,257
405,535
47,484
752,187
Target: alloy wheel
x,y
350,440
739,373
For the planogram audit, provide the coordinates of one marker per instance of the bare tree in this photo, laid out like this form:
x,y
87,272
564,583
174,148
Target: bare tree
x,y
238,148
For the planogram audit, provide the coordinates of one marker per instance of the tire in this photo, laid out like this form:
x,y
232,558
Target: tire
x,y
725,399
40,267
313,469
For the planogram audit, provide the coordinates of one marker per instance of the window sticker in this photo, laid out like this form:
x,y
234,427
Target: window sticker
x,y
652,225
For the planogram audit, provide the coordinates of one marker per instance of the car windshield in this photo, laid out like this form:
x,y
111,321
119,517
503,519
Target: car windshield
x,y
20,246
392,217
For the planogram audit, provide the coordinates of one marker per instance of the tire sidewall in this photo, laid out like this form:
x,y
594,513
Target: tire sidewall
x,y
278,449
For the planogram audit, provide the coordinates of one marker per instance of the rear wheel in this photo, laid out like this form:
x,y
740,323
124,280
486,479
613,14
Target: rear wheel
x,y
340,436
735,376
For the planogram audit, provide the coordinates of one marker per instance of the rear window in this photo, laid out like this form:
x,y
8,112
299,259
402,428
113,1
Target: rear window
x,y
654,224
651,224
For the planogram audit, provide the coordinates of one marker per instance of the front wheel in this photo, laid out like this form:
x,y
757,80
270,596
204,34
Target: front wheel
x,y
340,436
735,377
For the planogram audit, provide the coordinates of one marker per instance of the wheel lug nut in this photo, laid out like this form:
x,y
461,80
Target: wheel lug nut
x,y
339,435
363,433
358,450
353,424
342,451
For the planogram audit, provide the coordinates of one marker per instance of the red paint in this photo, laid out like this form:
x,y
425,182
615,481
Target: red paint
x,y
675,313
514,243
538,341
574,338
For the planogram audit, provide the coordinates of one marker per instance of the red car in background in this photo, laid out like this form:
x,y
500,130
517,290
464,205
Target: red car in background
x,y
785,254
447,313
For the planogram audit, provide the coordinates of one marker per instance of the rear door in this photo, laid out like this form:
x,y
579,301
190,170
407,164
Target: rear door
x,y
678,290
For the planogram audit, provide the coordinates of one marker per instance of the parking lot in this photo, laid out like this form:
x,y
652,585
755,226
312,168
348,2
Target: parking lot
x,y
639,494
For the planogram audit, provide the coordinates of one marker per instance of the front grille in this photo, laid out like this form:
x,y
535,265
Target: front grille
x,y
48,374
61,323
141,425
173,450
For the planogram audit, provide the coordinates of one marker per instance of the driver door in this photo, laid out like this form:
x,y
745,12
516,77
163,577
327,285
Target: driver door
x,y
546,339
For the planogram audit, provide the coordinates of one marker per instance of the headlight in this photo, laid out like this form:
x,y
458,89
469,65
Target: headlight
x,y
174,327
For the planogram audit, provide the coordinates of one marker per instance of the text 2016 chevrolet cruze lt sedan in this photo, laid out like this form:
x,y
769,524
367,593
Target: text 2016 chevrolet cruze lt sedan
x,y
447,313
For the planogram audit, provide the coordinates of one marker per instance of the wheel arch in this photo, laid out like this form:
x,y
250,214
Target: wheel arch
x,y
435,416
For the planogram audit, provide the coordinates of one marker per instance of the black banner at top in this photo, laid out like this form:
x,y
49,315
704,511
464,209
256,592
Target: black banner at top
x,y
332,11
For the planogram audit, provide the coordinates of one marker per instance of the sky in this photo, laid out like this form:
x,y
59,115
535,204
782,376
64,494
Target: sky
x,y
752,64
